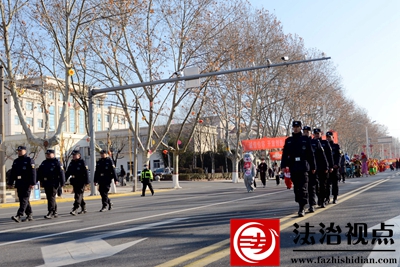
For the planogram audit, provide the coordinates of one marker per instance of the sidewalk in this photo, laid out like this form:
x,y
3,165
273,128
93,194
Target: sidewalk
x,y
69,196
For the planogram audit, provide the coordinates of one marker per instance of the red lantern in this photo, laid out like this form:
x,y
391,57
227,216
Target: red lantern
x,y
165,152
200,121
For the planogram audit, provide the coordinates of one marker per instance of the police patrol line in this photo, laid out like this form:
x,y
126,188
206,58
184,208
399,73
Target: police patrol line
x,y
51,174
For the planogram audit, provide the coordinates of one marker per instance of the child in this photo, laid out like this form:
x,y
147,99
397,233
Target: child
x,y
288,181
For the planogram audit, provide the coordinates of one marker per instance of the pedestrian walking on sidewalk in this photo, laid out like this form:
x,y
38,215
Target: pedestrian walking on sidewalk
x,y
51,175
105,172
23,173
78,172
262,170
146,177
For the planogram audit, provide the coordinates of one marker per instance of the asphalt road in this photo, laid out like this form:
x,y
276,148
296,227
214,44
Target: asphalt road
x,y
191,227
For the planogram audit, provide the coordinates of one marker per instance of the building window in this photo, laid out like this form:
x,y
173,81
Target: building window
x,y
98,122
115,118
29,105
72,120
40,123
29,121
16,120
156,164
51,118
98,103
50,94
40,108
107,118
81,121
122,120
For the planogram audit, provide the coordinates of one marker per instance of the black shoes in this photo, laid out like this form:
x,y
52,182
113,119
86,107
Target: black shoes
x,y
73,212
49,216
83,211
311,209
142,195
110,205
28,218
104,208
152,193
55,214
16,218
334,200
301,212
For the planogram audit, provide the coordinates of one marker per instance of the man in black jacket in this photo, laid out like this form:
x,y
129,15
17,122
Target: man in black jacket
x,y
334,176
79,178
105,172
23,173
51,175
299,158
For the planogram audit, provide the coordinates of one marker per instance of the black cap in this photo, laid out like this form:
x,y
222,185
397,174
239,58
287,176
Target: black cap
x,y
76,152
296,123
103,151
317,130
329,134
307,128
49,151
21,148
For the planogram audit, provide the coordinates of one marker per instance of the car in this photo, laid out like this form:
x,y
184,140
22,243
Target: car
x,y
159,171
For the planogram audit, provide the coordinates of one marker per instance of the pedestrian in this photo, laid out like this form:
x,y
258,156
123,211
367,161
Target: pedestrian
x,y
334,175
364,164
51,175
342,171
105,172
122,174
23,173
146,177
277,173
250,171
299,158
322,170
78,172
262,170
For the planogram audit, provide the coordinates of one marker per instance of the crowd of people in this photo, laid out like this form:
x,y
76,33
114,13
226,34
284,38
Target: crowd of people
x,y
52,176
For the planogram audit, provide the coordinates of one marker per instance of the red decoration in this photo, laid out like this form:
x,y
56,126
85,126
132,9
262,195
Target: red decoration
x,y
165,152
200,121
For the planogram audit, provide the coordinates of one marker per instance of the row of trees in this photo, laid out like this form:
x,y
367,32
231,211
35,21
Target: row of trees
x,y
114,43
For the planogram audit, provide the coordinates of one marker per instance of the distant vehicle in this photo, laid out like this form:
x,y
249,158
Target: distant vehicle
x,y
159,171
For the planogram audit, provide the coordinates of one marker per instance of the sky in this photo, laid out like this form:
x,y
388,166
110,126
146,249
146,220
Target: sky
x,y
362,37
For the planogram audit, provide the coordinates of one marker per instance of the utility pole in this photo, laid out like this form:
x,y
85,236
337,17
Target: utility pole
x,y
2,137
135,148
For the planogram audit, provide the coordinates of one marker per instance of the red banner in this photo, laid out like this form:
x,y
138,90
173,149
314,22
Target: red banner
x,y
276,155
263,143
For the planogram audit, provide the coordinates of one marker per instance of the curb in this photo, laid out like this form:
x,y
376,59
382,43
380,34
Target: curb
x,y
71,199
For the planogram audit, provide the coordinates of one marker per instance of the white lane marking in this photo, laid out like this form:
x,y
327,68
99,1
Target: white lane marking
x,y
91,248
136,219
35,226
392,257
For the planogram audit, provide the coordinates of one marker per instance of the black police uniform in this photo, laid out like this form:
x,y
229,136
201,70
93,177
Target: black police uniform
x,y
323,177
23,173
262,169
299,157
105,172
51,175
334,176
78,171
321,171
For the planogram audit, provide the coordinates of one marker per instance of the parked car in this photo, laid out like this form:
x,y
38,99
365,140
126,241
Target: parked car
x,y
159,171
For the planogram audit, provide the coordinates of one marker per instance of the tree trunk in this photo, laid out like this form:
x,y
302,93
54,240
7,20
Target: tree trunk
x,y
175,174
235,170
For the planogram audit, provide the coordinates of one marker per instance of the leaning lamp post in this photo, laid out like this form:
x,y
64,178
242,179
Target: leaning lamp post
x,y
92,92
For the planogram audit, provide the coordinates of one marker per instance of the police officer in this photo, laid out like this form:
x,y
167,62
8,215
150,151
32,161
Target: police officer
x,y
323,167
299,158
105,172
51,175
262,169
146,177
334,176
23,173
79,178
312,177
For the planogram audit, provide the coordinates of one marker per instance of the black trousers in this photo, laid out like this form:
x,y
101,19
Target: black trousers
x,y
146,182
51,193
312,189
322,186
24,204
78,195
300,183
277,179
333,182
104,189
262,177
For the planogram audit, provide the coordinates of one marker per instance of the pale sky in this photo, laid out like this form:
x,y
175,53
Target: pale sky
x,y
363,39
